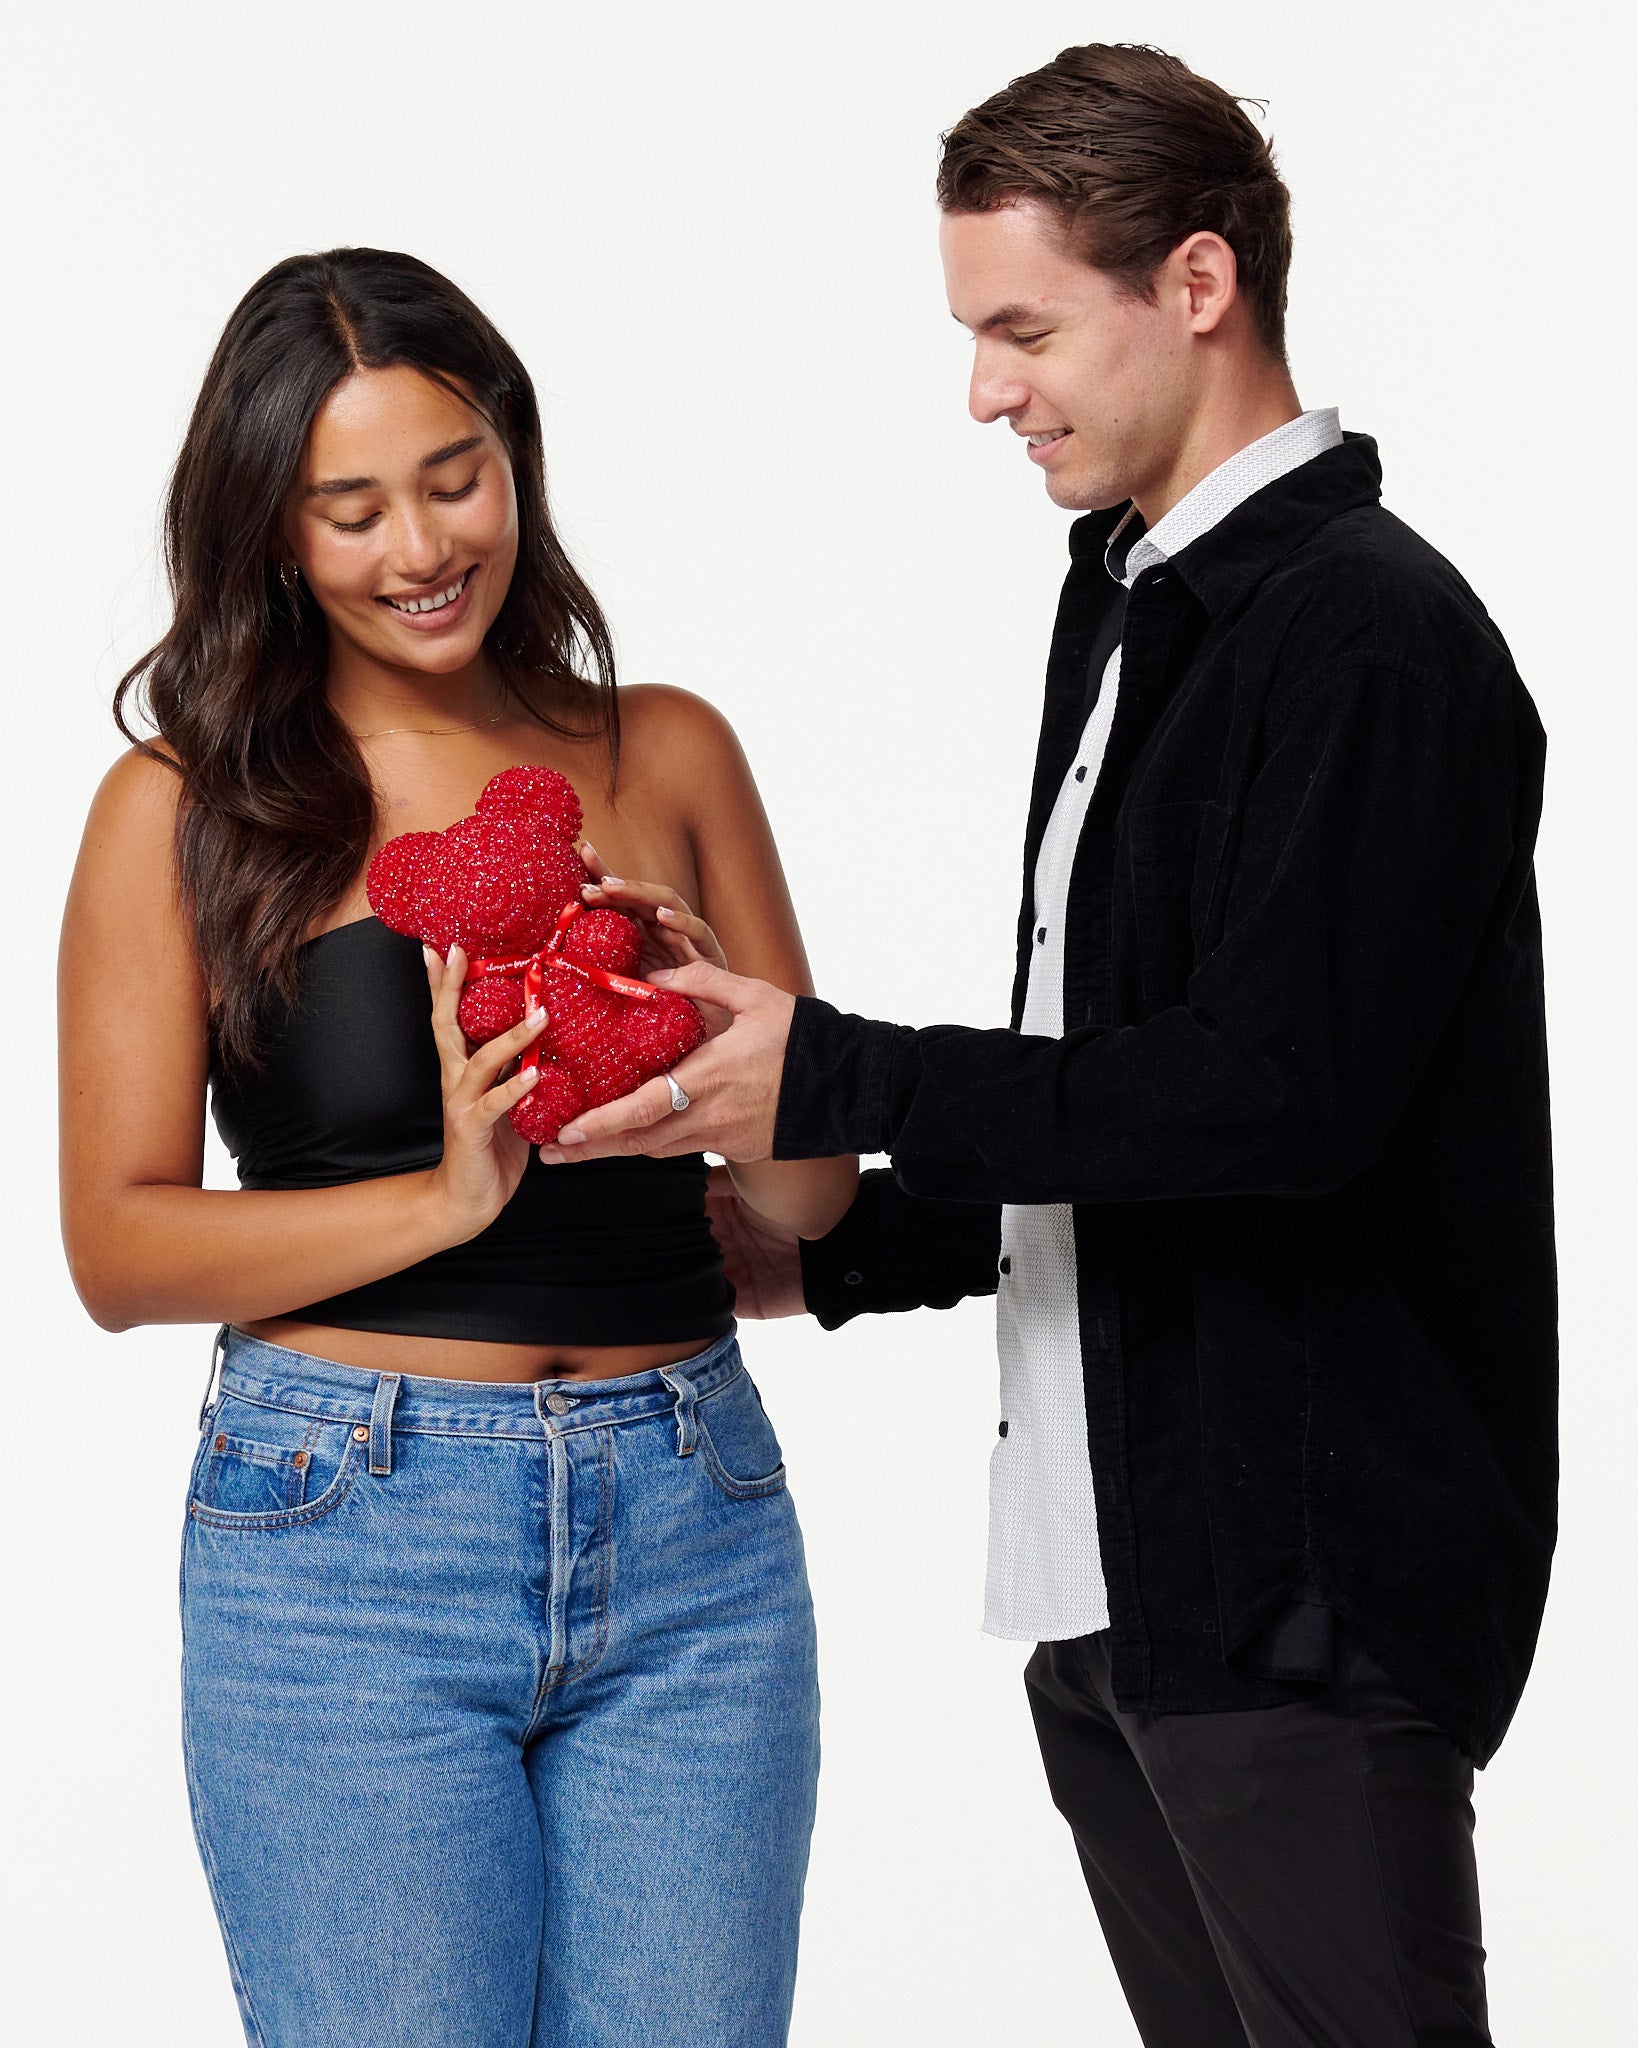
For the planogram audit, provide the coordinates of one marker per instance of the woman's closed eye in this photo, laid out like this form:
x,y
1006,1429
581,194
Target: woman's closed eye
x,y
443,497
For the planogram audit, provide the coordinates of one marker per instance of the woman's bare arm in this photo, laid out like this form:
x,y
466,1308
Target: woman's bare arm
x,y
147,1244
744,899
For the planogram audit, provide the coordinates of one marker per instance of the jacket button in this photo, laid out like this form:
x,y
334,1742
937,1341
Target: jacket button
x,y
852,1279
1006,1265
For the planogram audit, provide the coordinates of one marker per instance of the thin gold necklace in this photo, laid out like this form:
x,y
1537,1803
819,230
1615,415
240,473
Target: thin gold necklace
x,y
433,732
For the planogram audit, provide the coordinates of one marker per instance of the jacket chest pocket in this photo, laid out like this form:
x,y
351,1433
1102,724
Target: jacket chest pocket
x,y
1169,882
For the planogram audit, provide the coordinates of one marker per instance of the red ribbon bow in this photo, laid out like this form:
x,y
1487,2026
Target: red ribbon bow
x,y
534,967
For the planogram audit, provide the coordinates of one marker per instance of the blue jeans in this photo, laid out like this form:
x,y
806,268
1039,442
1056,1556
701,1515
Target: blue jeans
x,y
499,1705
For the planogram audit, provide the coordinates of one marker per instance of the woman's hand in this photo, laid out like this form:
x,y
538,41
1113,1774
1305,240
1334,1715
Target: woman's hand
x,y
672,935
762,1258
484,1157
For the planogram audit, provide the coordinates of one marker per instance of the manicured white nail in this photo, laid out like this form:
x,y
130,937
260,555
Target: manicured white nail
x,y
613,882
570,1136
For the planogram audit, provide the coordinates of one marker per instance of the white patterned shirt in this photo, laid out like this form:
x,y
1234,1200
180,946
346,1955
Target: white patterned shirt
x,y
1045,1576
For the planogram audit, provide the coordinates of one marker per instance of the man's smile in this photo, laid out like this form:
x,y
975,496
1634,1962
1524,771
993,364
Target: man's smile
x,y
1041,444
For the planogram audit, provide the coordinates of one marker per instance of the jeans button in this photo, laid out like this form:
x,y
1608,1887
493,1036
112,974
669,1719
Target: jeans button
x,y
559,1404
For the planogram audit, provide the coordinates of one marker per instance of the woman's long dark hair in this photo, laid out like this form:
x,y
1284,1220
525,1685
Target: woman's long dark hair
x,y
277,809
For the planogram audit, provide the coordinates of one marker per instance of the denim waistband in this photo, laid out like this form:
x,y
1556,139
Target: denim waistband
x,y
271,1376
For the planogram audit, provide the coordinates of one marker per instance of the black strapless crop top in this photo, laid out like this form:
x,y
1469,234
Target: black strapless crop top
x,y
615,1251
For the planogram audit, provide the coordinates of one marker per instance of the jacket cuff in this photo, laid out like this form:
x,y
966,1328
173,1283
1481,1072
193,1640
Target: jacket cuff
x,y
893,1252
834,1090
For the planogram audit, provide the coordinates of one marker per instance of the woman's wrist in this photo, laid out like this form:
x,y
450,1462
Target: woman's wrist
x,y
444,1213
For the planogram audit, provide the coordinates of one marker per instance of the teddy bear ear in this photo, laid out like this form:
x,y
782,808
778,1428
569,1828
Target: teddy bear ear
x,y
397,881
534,793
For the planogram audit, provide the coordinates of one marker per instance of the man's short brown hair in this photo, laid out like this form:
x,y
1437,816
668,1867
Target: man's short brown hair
x,y
1134,152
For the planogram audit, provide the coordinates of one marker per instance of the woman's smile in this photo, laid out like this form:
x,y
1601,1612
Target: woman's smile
x,y
436,610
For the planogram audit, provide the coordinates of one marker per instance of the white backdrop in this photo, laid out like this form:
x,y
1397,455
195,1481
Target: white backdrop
x,y
709,231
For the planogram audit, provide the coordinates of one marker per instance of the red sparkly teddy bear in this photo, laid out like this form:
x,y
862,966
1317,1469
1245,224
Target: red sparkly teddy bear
x,y
504,885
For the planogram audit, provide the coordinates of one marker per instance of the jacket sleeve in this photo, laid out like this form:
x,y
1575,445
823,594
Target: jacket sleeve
x,y
1390,821
894,1250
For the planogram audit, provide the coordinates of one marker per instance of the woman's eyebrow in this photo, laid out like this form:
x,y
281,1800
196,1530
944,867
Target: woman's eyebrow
x,y
339,486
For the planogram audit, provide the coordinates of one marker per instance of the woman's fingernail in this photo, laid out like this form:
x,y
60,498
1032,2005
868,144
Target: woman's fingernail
x,y
569,1135
588,853
549,1155
530,1076
613,882
430,957
590,889
662,974
668,915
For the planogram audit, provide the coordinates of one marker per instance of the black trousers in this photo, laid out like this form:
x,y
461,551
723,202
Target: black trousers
x,y
1297,1876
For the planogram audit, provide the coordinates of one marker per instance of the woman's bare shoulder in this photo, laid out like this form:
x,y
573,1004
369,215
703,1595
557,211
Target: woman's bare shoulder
x,y
130,830
143,783
673,736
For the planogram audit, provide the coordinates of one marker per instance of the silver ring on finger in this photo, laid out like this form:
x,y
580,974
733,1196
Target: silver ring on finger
x,y
679,1094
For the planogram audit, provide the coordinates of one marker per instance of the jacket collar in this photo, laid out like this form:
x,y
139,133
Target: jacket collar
x,y
1227,562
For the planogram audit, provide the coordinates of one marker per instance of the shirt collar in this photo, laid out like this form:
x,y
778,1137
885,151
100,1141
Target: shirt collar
x,y
1132,547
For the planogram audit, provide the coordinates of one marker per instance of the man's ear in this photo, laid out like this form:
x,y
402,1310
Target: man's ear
x,y
1204,266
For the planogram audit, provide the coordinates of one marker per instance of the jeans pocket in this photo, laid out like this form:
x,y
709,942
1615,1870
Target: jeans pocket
x,y
737,1441
269,1468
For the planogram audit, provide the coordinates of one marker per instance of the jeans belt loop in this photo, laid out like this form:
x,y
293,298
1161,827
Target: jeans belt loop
x,y
687,1429
386,1395
218,1346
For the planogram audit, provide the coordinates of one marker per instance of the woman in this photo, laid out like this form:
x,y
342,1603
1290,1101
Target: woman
x,y
499,1698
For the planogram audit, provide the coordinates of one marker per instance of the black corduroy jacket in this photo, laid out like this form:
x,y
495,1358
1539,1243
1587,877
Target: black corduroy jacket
x,y
1300,1106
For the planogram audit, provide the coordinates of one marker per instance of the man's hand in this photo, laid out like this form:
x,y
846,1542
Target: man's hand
x,y
732,1083
762,1258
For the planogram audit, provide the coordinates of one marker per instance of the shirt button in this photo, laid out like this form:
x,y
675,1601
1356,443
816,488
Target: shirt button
x,y
1080,774
1002,1430
852,1279
1040,936
1006,1265
559,1404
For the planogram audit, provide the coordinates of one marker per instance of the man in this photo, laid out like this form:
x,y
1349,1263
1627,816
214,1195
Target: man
x,y
1261,1169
